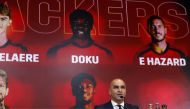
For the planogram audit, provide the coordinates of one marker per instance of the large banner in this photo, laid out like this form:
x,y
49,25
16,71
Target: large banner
x,y
47,48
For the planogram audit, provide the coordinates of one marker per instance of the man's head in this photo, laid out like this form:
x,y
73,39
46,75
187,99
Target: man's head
x,y
83,88
117,90
156,28
5,17
81,22
3,85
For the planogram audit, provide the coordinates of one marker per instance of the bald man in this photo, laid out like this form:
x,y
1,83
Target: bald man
x,y
117,94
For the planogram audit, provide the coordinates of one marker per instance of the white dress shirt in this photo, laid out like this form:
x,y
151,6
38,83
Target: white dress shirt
x,y
115,105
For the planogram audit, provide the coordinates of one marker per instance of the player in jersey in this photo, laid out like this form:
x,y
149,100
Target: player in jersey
x,y
83,88
159,47
3,89
7,45
81,23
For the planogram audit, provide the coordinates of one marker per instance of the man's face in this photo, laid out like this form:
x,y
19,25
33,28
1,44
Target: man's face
x,y
157,30
3,89
86,90
4,23
81,27
117,90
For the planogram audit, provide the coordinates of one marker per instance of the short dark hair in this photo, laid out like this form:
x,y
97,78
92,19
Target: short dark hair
x,y
153,17
80,13
80,77
4,76
4,10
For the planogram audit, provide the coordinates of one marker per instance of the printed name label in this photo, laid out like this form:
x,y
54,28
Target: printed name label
x,y
162,61
84,59
15,57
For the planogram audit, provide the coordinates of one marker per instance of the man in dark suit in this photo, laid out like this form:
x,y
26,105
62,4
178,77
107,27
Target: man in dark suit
x,y
117,93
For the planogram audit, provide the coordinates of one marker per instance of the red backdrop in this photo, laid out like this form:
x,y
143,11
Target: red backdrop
x,y
119,26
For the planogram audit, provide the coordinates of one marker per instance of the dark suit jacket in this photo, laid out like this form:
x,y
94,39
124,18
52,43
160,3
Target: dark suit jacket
x,y
108,105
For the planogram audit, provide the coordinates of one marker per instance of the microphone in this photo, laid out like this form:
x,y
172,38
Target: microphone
x,y
122,97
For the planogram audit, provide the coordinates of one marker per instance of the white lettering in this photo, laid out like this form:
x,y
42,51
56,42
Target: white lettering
x,y
74,59
182,62
150,61
162,61
141,60
84,59
14,57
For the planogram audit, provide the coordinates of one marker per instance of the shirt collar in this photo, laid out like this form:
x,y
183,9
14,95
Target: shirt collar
x,y
115,104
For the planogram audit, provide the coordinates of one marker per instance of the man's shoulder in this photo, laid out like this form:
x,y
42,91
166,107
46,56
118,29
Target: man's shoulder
x,y
145,50
53,50
18,45
131,106
107,105
181,53
108,52
14,46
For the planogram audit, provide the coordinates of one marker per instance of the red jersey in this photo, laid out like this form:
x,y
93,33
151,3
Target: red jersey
x,y
168,53
70,52
10,47
170,57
